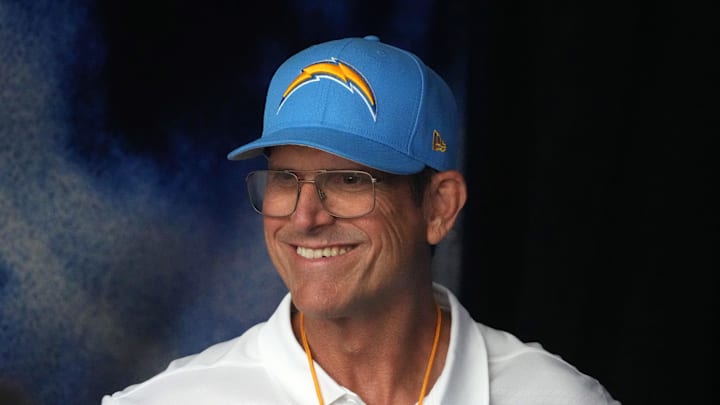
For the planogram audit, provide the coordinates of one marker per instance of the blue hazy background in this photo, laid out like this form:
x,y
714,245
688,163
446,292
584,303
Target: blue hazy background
x,y
125,237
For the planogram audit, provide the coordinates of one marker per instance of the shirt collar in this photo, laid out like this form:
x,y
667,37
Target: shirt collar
x,y
464,376
286,360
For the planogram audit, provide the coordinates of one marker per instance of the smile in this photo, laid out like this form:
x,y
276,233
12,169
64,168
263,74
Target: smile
x,y
309,253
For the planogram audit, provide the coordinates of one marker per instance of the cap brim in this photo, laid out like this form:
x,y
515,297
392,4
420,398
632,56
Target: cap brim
x,y
343,144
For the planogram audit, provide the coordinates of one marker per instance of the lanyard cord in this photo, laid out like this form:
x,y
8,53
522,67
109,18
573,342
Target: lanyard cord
x,y
310,359
428,370
436,340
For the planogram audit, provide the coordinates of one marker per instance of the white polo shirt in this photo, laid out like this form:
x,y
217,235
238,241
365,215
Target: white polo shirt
x,y
267,366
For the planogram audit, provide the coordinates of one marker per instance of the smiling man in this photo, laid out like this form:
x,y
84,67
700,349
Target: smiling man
x,y
362,143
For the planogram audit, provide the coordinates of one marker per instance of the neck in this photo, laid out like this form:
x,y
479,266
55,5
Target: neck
x,y
381,358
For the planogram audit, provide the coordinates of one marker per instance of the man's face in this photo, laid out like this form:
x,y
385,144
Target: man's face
x,y
372,259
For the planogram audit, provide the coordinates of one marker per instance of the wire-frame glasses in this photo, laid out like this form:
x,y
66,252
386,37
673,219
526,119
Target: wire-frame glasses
x,y
343,193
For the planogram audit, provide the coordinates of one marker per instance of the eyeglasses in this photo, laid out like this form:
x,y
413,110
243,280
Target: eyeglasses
x,y
342,193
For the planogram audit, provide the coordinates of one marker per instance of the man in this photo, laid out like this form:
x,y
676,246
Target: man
x,y
362,140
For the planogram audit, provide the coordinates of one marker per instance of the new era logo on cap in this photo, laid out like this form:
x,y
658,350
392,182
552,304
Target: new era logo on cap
x,y
438,144
365,101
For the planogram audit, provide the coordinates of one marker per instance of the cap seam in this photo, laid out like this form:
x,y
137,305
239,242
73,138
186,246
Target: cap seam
x,y
421,100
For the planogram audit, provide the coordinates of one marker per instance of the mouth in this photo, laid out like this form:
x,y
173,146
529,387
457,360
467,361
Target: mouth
x,y
330,251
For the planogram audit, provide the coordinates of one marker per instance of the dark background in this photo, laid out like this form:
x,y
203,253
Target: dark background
x,y
127,242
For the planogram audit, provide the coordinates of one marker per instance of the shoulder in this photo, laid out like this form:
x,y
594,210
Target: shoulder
x,y
221,370
526,373
241,351
496,365
225,373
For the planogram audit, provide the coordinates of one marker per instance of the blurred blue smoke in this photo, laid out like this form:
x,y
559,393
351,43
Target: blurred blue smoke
x,y
110,264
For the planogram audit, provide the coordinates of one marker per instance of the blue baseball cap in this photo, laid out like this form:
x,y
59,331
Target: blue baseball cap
x,y
365,101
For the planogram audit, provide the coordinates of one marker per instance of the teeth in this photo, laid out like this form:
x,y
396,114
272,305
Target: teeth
x,y
318,253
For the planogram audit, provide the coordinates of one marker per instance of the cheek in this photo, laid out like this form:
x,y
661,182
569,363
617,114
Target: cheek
x,y
402,221
270,228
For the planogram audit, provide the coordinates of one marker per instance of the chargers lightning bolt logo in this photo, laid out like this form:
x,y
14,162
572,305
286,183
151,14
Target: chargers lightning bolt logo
x,y
339,72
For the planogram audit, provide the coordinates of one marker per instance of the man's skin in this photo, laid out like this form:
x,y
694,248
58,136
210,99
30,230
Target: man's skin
x,y
369,311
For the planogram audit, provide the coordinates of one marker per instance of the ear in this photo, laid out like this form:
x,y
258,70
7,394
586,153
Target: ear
x,y
444,198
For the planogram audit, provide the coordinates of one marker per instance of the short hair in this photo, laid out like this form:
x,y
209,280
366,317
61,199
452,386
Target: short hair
x,y
419,183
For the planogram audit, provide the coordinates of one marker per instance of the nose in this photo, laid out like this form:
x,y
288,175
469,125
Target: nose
x,y
309,212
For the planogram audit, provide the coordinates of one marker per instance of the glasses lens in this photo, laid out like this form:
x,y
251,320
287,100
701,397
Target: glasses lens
x,y
272,193
346,194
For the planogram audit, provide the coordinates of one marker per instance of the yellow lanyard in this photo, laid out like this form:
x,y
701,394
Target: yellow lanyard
x,y
428,370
